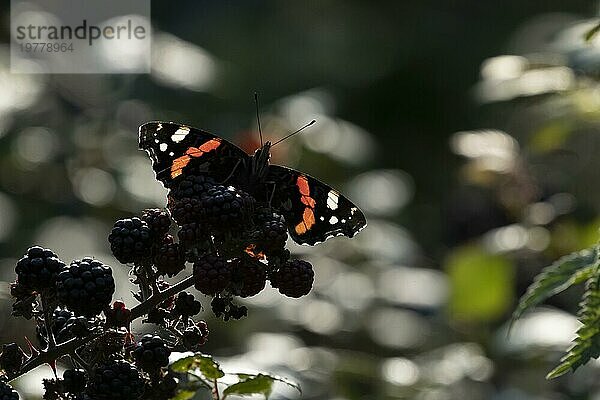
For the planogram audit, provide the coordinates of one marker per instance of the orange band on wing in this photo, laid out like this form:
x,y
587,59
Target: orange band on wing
x,y
308,216
181,162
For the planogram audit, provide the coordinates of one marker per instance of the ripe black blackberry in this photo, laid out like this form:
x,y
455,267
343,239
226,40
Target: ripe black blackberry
x,y
7,392
193,235
225,207
294,278
131,240
116,380
249,277
218,306
195,336
151,353
74,380
60,316
193,185
270,232
37,270
212,274
169,258
158,220
186,305
185,210
86,286
236,312
76,326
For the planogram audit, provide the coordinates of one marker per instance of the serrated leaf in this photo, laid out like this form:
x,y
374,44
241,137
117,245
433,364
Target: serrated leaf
x,y
586,345
562,274
205,363
184,395
590,34
258,384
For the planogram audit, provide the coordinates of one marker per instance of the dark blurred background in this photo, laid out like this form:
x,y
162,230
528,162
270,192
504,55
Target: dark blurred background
x,y
466,130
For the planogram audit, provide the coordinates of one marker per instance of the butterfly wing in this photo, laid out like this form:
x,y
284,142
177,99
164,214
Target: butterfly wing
x,y
313,211
175,148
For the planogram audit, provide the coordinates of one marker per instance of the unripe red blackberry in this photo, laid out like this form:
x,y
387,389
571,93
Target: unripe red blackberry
x,y
193,185
151,353
224,207
249,277
86,286
169,258
212,274
118,315
195,336
186,305
294,278
158,221
37,270
131,240
11,358
74,380
116,380
7,392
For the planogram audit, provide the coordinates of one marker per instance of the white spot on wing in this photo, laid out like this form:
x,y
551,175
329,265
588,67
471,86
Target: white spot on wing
x,y
333,220
171,154
332,200
322,218
180,134
163,147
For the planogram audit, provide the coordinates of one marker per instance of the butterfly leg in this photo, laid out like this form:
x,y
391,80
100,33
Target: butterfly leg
x,y
272,194
232,172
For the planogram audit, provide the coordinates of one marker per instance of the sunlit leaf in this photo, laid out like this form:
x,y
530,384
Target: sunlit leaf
x,y
591,34
567,271
481,283
259,384
184,395
205,363
586,345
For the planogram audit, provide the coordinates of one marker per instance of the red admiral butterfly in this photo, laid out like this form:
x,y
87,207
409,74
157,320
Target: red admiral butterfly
x,y
313,211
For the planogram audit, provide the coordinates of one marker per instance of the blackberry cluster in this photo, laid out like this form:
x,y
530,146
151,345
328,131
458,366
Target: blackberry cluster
x,y
7,392
186,305
131,240
151,353
226,206
74,381
212,274
195,336
249,277
116,380
169,258
37,270
158,221
193,235
294,279
12,357
86,286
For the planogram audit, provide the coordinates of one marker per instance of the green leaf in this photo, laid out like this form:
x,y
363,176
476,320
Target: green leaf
x,y
567,271
184,395
203,362
258,384
590,34
586,345
481,283
277,378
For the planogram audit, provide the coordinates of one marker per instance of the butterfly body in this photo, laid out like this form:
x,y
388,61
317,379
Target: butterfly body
x,y
313,211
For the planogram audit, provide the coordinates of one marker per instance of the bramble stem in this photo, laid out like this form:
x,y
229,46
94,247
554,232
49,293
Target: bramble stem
x,y
53,353
47,314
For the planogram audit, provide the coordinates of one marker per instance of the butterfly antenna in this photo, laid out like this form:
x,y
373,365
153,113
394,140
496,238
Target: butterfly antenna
x,y
293,133
258,118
